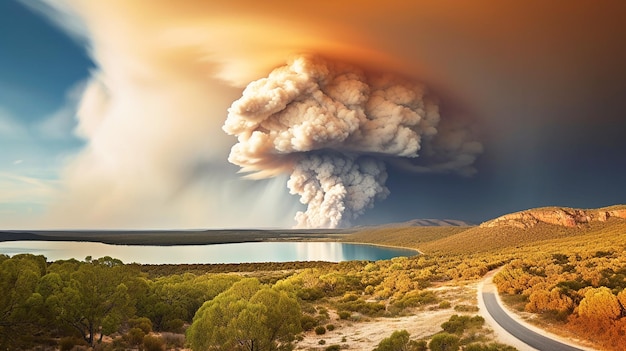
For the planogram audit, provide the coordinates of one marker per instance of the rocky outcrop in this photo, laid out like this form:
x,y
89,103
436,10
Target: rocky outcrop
x,y
567,217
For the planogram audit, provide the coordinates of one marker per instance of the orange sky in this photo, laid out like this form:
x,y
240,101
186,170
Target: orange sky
x,y
538,78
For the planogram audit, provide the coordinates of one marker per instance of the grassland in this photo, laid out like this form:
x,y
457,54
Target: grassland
x,y
410,237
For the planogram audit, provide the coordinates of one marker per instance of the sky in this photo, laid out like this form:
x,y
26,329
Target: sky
x,y
111,113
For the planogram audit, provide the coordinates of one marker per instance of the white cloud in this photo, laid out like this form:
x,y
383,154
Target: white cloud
x,y
60,124
16,188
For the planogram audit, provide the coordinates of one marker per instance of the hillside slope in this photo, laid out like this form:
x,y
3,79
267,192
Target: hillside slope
x,y
561,216
413,237
530,227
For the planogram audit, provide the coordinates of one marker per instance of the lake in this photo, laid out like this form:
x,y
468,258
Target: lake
x,y
252,252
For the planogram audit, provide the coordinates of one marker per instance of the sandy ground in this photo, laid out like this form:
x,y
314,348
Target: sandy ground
x,y
366,334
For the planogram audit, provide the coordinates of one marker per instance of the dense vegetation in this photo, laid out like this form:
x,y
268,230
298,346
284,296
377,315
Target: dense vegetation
x,y
577,282
575,278
106,304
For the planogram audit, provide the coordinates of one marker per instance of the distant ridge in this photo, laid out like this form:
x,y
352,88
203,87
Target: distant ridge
x,y
427,222
562,216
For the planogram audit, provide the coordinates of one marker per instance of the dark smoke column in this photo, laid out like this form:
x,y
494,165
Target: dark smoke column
x,y
332,126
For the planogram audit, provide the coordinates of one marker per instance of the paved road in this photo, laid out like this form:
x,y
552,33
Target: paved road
x,y
524,334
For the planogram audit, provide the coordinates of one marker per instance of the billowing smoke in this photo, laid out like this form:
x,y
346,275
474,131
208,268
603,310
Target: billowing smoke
x,y
333,126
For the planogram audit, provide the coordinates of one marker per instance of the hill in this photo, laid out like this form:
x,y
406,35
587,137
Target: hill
x,y
561,216
509,231
531,227
426,222
413,237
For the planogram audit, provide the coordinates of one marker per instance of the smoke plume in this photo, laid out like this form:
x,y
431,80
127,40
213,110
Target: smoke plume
x,y
332,126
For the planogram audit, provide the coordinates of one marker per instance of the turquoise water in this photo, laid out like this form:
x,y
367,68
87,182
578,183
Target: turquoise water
x,y
222,253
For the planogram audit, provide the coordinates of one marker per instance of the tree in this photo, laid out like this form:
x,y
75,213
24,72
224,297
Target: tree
x,y
247,316
178,297
94,298
20,304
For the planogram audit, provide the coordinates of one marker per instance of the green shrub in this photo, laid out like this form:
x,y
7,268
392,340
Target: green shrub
x,y
330,327
363,307
333,348
153,343
444,342
398,340
322,342
444,304
134,337
490,347
310,294
308,322
349,297
458,324
142,323
344,314
416,298
465,308
320,330
174,325
68,343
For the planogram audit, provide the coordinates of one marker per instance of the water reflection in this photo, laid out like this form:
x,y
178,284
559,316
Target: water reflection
x,y
222,253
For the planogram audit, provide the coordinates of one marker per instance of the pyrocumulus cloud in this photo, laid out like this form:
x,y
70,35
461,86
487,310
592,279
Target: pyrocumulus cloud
x,y
333,126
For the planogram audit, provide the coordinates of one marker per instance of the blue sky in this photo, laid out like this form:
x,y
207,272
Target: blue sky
x,y
155,81
41,73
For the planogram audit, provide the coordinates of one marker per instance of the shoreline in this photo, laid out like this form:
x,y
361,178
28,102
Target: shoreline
x,y
204,237
176,238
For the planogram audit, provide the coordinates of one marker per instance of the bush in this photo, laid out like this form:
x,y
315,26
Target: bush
x,y
307,322
142,323
330,327
490,347
68,343
465,308
310,294
418,346
173,340
174,325
333,348
444,342
349,297
444,304
153,343
320,330
363,307
323,315
415,299
134,337
344,314
322,342
458,324
398,340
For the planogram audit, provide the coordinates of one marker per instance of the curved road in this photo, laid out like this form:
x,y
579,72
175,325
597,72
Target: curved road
x,y
530,340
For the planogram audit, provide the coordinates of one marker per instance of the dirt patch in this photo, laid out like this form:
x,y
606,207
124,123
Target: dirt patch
x,y
367,333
